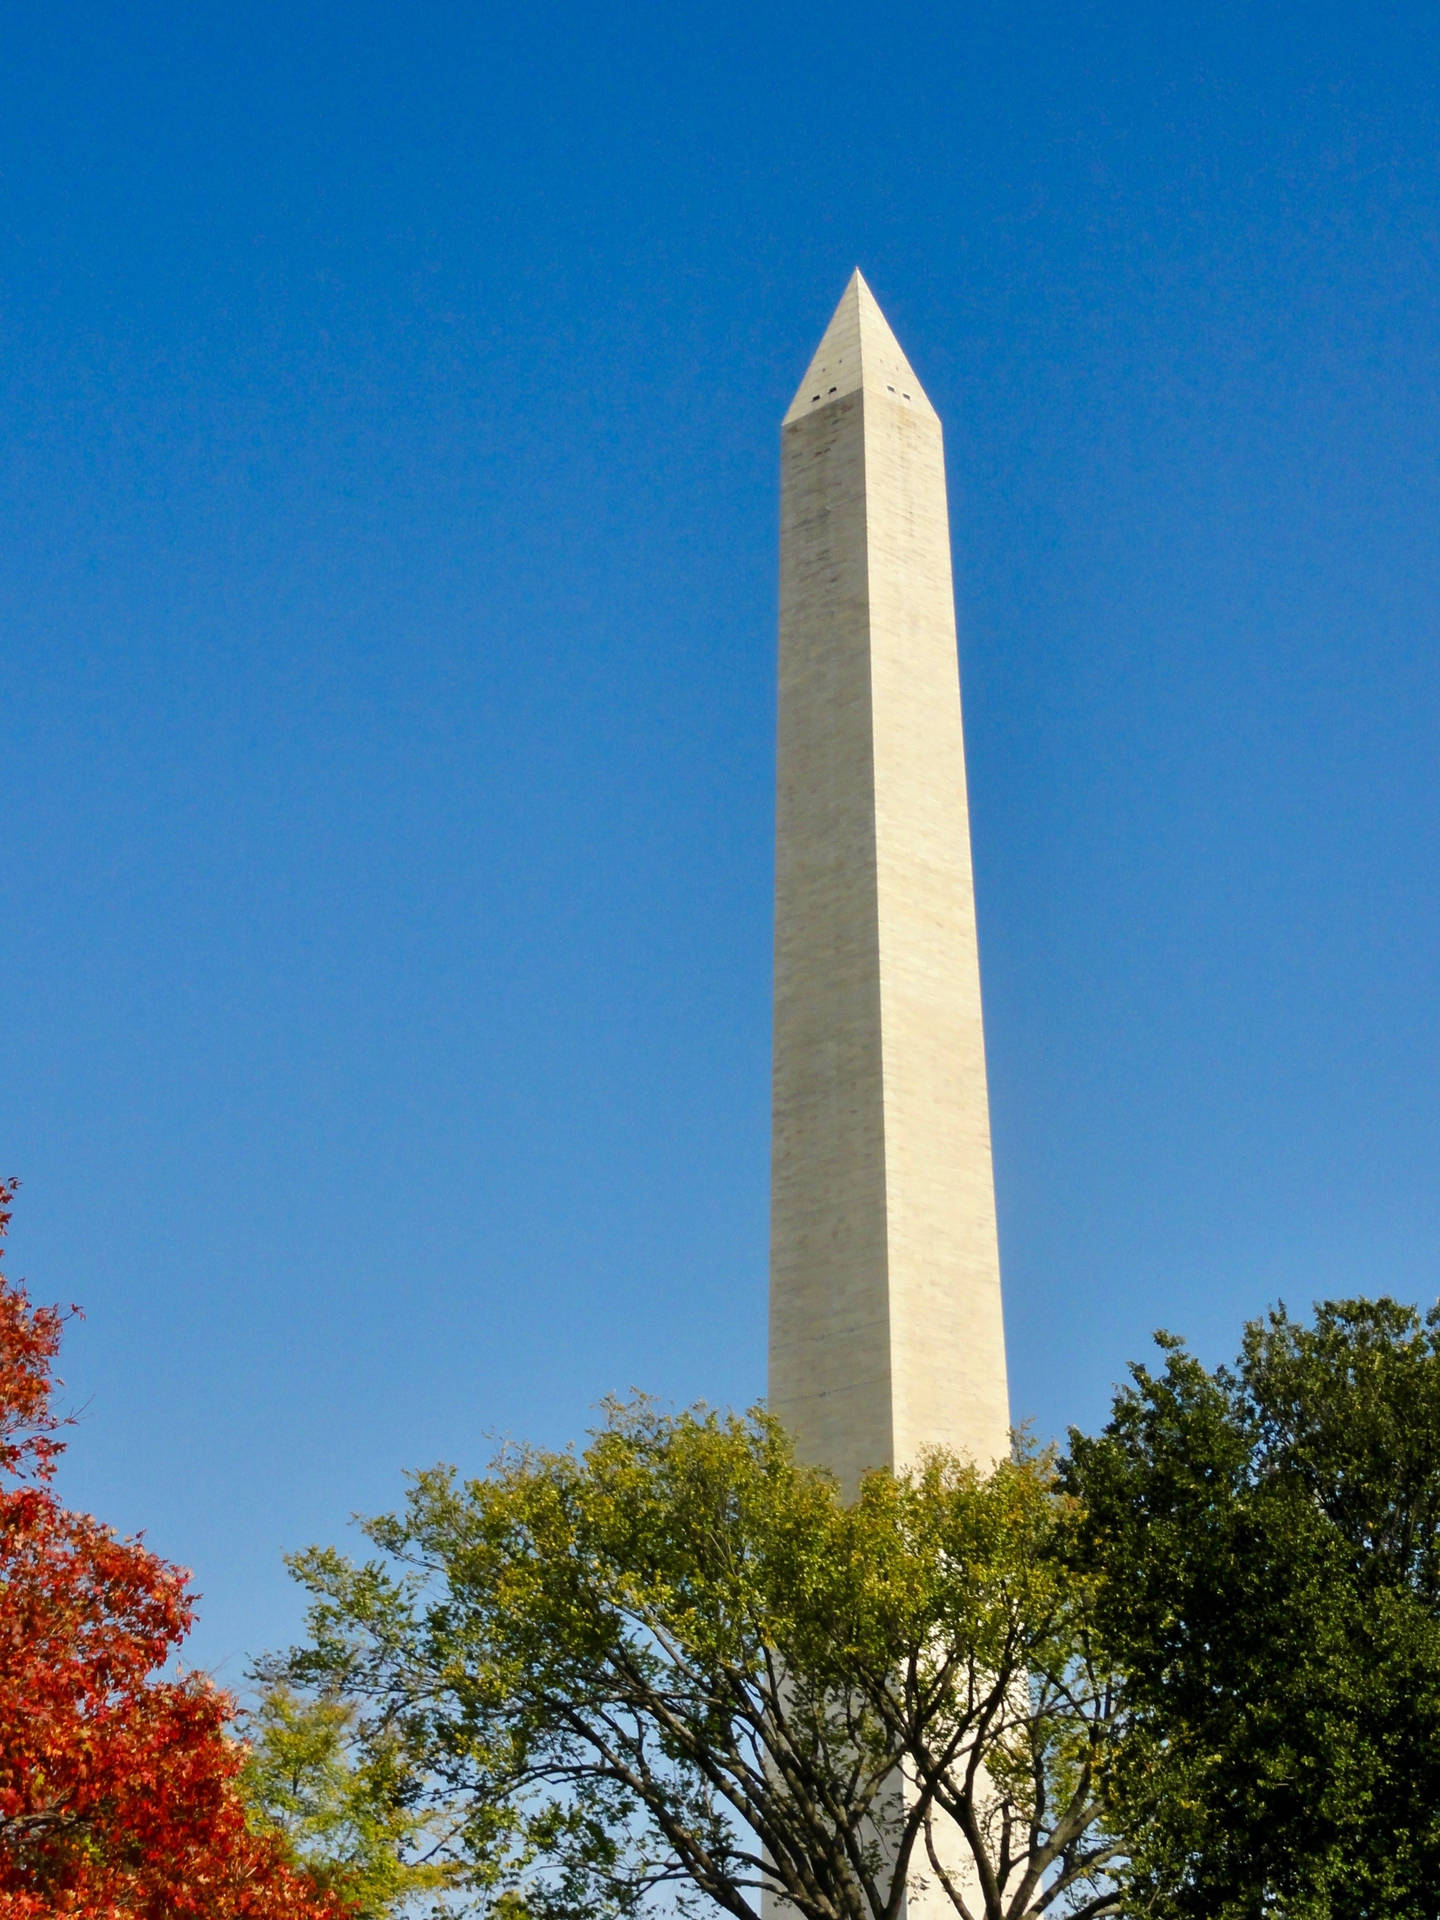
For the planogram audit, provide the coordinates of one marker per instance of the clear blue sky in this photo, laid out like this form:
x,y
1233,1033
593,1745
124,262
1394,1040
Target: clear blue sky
x,y
387,577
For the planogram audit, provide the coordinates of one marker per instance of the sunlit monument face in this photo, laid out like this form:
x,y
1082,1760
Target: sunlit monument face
x,y
885,1319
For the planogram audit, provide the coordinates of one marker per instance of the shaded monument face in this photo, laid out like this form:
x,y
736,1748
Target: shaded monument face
x,y
885,1321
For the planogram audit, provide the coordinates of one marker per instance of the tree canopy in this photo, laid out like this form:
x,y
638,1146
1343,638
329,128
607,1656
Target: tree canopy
x,y
1190,1671
1267,1540
352,1809
677,1669
117,1783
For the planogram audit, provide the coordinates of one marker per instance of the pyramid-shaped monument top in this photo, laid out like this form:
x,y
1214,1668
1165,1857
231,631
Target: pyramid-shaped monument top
x,y
858,351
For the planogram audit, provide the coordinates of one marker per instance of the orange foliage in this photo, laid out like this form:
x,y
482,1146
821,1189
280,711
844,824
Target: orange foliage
x,y
117,1784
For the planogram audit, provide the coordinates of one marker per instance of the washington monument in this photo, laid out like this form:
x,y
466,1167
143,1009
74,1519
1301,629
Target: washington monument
x,y
885,1320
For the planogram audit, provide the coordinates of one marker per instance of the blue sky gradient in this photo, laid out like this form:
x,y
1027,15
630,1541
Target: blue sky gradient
x,y
387,602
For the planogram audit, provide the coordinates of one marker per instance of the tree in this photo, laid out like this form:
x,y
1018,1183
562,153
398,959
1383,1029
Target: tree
x,y
117,1786
353,1810
1267,1539
678,1669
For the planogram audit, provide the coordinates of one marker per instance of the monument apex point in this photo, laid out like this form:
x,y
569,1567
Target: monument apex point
x,y
858,352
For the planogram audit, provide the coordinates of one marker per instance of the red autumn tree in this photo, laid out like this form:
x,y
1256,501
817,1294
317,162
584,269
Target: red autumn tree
x,y
117,1783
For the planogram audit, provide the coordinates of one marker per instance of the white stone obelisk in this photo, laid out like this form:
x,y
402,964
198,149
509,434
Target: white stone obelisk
x,y
885,1322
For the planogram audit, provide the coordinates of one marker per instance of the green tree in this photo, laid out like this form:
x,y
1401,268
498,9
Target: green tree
x,y
678,1669
353,1810
1267,1538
